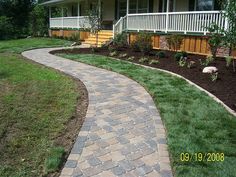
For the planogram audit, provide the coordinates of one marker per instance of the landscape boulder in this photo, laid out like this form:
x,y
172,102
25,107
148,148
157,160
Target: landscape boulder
x,y
210,69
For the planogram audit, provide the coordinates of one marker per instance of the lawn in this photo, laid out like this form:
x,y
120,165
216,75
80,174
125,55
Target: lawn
x,y
20,45
35,105
195,123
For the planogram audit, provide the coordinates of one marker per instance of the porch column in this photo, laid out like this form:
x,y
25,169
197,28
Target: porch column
x,y
62,15
127,8
127,17
167,15
50,12
78,11
78,8
99,8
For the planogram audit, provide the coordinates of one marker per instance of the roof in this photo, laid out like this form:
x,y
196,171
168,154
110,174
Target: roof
x,y
54,2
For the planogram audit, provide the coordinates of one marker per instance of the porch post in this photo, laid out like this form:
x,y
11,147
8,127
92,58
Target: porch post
x,y
167,15
62,19
99,8
127,15
127,8
50,12
78,11
78,8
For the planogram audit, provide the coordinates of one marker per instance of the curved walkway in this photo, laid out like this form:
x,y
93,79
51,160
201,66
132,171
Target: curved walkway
x,y
122,134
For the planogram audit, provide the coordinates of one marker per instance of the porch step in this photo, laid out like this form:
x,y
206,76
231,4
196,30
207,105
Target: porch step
x,y
103,37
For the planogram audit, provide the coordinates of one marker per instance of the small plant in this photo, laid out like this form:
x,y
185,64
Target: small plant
x,y
120,41
153,62
143,60
111,48
94,49
112,54
214,76
190,64
130,58
174,41
228,60
123,55
161,54
178,56
209,59
75,37
143,43
182,61
215,40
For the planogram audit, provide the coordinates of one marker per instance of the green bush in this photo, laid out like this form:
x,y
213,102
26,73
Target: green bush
x,y
178,56
143,43
153,62
6,28
228,60
174,41
75,37
38,25
161,54
120,41
143,60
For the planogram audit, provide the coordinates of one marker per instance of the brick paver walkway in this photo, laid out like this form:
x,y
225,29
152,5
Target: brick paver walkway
x,y
123,134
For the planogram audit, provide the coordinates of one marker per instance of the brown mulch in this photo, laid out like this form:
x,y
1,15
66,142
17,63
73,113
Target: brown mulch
x,y
224,87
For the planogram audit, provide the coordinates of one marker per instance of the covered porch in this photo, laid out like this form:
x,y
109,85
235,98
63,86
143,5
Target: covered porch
x,y
183,16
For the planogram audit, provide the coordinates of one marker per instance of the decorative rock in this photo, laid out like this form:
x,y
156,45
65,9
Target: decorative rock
x,y
210,69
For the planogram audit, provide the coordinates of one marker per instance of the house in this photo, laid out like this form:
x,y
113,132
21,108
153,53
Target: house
x,y
159,17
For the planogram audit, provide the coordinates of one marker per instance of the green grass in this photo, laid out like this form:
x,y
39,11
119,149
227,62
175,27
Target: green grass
x,y
20,45
35,105
194,121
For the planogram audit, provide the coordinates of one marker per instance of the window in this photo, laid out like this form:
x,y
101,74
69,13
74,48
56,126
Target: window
x,y
142,6
122,8
204,5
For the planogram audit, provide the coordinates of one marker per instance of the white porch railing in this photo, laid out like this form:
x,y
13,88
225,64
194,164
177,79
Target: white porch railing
x,y
186,22
70,22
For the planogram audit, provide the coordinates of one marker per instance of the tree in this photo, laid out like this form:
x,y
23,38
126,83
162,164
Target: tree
x,y
38,21
229,7
18,11
95,22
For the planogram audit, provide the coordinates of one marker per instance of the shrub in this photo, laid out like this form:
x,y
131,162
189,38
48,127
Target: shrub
x,y
38,21
111,48
161,54
208,60
182,62
214,76
112,54
143,43
216,39
120,41
174,41
154,62
134,47
6,27
228,60
130,58
143,60
178,56
190,64
123,55
75,37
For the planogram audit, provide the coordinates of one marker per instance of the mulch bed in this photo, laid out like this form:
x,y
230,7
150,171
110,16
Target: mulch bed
x,y
224,87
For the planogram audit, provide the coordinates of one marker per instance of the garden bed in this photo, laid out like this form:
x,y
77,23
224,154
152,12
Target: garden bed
x,y
224,87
